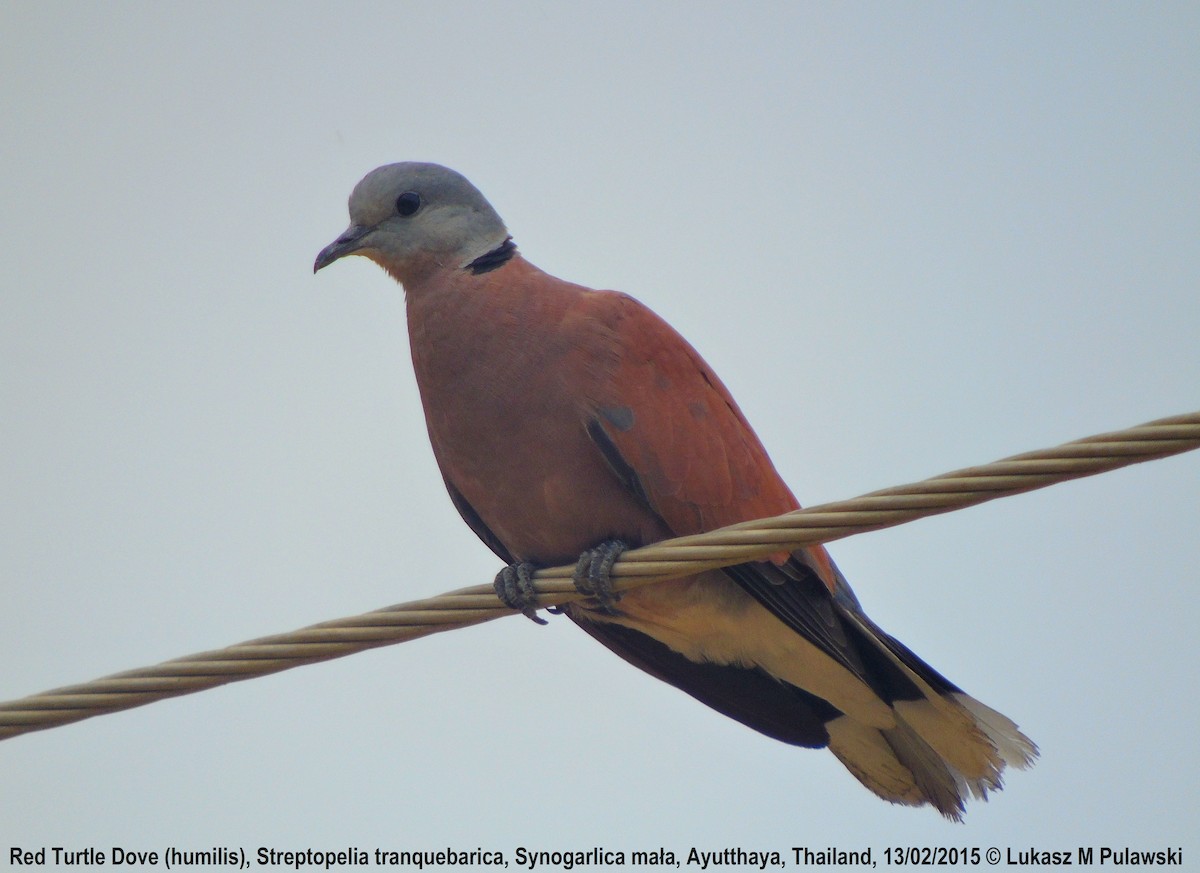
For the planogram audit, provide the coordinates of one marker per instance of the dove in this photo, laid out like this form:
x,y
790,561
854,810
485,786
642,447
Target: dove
x,y
570,424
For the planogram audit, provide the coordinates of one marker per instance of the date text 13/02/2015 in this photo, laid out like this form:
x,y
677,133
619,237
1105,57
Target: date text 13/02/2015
x,y
1033,856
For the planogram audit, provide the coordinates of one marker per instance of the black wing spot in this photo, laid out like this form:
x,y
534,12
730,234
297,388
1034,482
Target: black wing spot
x,y
620,417
616,463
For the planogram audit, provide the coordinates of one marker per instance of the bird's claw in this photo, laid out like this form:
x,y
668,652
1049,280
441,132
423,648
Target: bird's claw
x,y
593,574
514,587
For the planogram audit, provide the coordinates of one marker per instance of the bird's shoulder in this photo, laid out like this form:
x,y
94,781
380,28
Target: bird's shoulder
x,y
667,421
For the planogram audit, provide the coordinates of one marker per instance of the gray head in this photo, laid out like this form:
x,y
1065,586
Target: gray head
x,y
412,212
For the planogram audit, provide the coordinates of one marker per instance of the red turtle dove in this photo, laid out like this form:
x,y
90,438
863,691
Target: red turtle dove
x,y
569,422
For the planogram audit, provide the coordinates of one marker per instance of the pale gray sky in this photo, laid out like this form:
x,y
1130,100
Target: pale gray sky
x,y
911,237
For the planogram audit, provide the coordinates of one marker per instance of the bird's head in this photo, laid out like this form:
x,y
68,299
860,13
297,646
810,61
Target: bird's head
x,y
411,216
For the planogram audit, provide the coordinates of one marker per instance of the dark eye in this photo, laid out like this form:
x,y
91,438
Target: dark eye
x,y
408,203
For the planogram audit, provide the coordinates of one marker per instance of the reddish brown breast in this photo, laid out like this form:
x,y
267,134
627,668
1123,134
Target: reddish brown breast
x,y
509,365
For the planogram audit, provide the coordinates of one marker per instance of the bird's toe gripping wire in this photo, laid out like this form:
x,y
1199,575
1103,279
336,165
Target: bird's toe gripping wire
x,y
514,587
593,575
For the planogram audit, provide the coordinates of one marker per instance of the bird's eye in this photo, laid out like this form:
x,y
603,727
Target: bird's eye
x,y
408,203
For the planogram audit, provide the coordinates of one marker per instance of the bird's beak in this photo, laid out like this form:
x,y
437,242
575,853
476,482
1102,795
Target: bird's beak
x,y
346,244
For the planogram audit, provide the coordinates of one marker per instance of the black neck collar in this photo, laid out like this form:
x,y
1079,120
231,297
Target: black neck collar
x,y
497,257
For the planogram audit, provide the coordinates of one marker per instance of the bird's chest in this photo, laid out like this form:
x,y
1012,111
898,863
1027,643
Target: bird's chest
x,y
507,396
497,383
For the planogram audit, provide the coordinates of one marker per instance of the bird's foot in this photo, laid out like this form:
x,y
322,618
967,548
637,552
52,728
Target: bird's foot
x,y
593,575
514,587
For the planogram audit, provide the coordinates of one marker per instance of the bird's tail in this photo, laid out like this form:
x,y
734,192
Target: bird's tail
x,y
945,746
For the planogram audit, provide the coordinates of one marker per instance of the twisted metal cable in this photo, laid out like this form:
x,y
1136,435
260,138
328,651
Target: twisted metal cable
x,y
669,559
